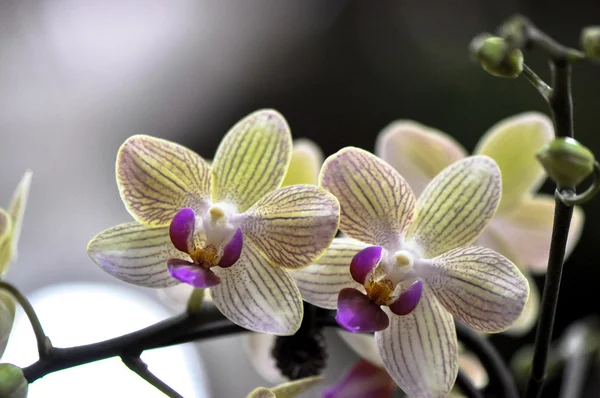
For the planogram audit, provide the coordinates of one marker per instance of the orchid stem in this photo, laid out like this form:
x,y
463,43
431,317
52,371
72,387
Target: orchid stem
x,y
135,363
560,100
43,342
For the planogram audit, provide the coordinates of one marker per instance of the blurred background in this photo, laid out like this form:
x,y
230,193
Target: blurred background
x,y
79,77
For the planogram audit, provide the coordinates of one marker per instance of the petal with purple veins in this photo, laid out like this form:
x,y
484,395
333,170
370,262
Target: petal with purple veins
x,y
358,313
420,350
192,274
376,203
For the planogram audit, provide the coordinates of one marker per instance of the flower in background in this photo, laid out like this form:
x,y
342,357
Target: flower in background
x,y
286,390
522,227
415,270
228,226
11,221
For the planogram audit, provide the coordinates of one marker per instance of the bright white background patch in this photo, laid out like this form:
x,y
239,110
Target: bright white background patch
x,y
84,313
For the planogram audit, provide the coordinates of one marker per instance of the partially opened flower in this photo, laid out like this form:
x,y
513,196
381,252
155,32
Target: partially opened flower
x,y
416,270
10,230
228,227
522,227
286,390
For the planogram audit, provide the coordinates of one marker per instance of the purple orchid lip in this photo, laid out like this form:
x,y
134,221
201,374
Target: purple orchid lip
x,y
408,299
181,230
192,274
364,261
358,313
232,250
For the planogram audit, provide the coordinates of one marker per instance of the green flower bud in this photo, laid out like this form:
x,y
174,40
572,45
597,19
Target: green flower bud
x,y
513,30
7,317
566,161
12,382
495,57
590,41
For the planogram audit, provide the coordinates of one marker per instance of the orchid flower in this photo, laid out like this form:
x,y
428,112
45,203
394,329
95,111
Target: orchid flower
x,y
229,227
286,390
522,226
415,269
11,221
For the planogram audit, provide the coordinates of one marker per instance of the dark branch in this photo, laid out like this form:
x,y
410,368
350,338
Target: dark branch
x,y
138,366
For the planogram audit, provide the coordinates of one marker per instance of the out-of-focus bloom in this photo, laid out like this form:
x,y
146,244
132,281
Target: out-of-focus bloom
x,y
229,227
414,269
522,227
12,382
10,230
363,379
286,390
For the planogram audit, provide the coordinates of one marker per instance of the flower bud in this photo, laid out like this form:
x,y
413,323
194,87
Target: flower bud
x,y
566,161
7,317
590,41
12,382
495,56
513,30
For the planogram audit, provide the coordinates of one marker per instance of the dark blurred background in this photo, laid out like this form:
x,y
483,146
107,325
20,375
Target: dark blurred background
x,y
77,78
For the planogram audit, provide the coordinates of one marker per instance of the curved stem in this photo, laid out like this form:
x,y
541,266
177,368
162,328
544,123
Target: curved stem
x,y
464,383
490,358
43,342
537,82
138,366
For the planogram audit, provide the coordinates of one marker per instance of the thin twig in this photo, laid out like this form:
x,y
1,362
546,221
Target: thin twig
x,y
465,385
43,342
537,82
135,363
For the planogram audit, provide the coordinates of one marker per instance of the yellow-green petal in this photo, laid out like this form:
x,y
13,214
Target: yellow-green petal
x,y
321,282
526,231
420,350
135,254
479,287
513,143
456,206
305,165
290,389
5,225
417,152
5,241
7,317
157,178
376,203
257,295
16,211
294,225
252,159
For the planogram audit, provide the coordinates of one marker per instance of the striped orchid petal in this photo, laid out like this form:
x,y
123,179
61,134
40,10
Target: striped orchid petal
x,y
157,178
456,206
294,225
526,321
362,380
136,254
252,159
16,210
321,283
305,165
420,351
513,143
376,203
526,230
479,287
257,295
417,152
7,317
